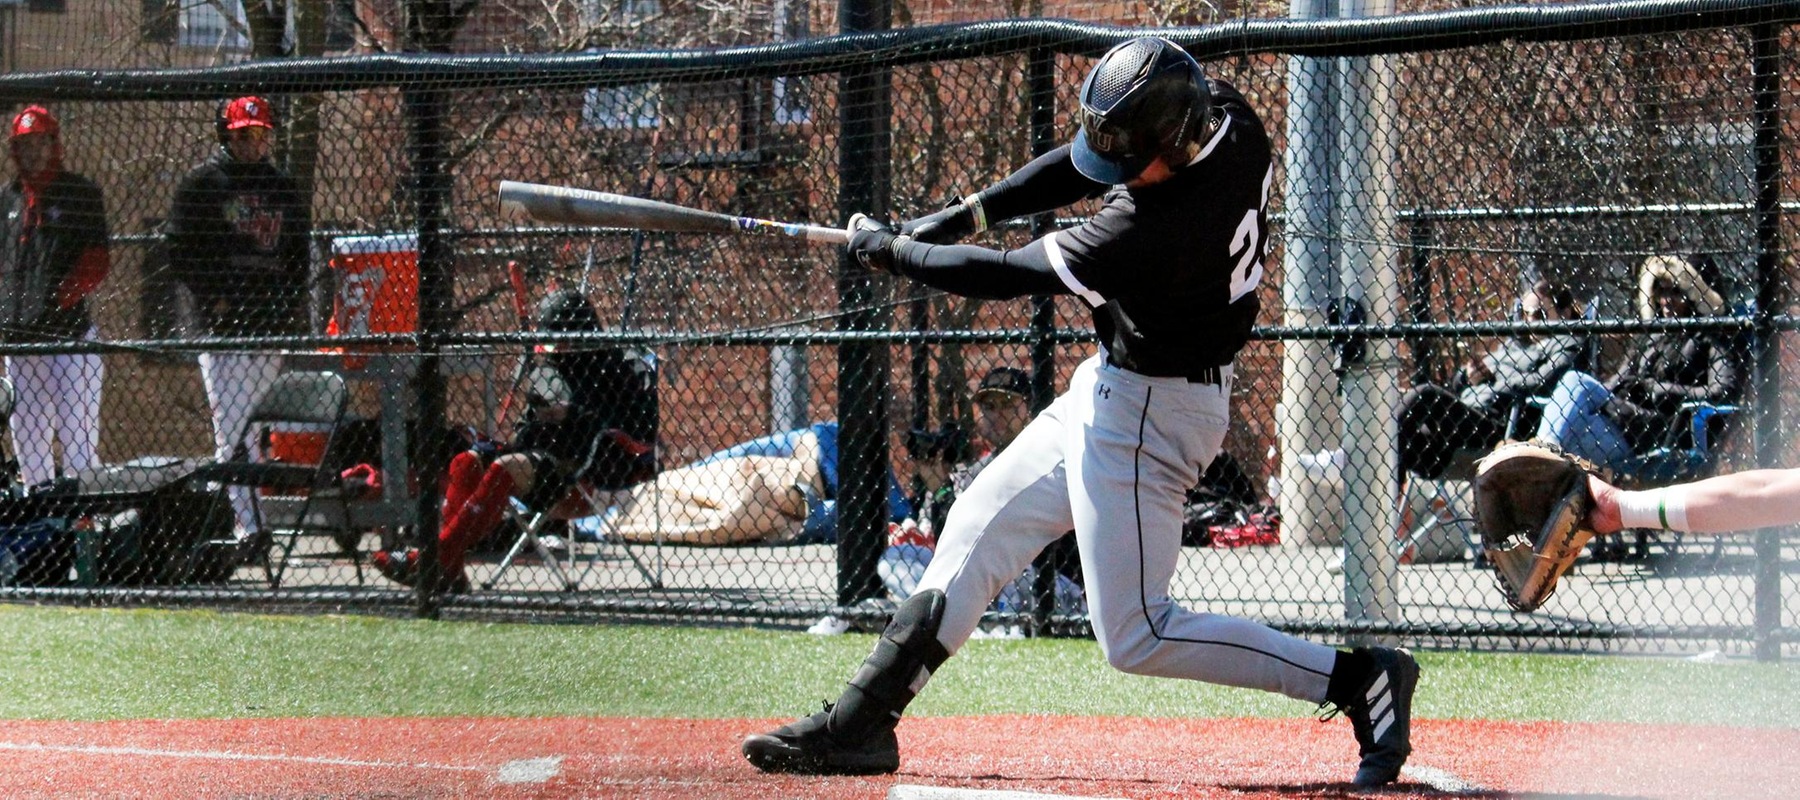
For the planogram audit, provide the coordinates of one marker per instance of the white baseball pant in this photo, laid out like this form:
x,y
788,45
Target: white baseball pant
x,y
1113,458
235,383
58,398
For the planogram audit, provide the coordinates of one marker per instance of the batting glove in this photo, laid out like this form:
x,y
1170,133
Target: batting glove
x,y
956,221
874,244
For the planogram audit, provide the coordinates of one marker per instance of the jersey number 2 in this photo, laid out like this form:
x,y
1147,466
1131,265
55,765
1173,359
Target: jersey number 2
x,y
1246,244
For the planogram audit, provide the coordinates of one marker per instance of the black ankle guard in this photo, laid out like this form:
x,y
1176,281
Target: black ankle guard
x,y
904,658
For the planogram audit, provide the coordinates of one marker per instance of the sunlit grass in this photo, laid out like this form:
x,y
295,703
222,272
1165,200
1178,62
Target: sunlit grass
x,y
119,664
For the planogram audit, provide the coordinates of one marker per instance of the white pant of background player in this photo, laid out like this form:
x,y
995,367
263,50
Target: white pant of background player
x,y
58,398
235,383
1113,458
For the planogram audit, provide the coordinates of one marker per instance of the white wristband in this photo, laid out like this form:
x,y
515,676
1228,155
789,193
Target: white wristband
x,y
976,212
1660,509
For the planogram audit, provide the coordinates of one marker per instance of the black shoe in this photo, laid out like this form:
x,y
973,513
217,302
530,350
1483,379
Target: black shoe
x,y
1381,717
807,747
252,548
402,567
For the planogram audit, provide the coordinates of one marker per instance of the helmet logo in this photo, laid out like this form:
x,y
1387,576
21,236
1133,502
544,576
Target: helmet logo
x,y
1100,135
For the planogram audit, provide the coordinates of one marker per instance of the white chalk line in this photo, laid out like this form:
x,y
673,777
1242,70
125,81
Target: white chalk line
x,y
908,791
529,770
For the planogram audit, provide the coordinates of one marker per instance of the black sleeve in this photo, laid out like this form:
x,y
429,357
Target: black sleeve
x,y
978,272
1630,366
1050,181
297,255
91,216
1559,358
194,228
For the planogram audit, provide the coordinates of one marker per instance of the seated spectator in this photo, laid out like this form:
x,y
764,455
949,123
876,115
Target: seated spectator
x,y
1632,412
946,463
949,460
1435,422
593,418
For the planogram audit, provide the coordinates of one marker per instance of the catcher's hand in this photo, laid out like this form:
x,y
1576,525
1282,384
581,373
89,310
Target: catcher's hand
x,y
1531,507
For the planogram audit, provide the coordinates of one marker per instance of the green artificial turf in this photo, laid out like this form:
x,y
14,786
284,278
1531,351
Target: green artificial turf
x,y
60,663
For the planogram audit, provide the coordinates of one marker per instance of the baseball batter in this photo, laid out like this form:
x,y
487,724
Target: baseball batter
x,y
1169,266
238,241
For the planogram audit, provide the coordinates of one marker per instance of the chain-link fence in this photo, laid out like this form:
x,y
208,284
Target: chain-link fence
x,y
318,379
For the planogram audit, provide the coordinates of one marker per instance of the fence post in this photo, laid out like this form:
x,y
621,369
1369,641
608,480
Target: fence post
x,y
1424,348
1040,82
431,196
1369,270
1766,79
1306,417
865,113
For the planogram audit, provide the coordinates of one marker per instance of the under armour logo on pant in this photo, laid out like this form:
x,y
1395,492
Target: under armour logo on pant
x,y
1103,391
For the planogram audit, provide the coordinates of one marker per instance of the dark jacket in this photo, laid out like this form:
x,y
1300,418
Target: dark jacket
x,y
1664,370
1521,370
609,391
52,250
238,240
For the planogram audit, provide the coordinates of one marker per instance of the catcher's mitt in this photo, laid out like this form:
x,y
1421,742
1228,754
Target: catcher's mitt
x,y
1531,506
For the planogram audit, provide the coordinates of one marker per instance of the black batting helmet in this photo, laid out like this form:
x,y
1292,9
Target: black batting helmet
x,y
1145,98
567,311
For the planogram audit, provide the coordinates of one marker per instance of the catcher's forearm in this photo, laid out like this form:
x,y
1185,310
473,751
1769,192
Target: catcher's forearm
x,y
1741,501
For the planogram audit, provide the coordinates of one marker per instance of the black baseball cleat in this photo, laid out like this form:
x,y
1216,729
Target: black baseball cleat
x,y
1381,717
807,747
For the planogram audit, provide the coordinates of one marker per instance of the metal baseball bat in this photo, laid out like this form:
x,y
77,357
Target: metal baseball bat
x,y
571,206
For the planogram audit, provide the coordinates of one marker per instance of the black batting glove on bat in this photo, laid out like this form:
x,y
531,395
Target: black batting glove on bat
x,y
874,244
955,222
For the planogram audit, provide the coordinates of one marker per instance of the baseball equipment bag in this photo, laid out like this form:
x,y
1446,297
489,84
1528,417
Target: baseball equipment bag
x,y
36,553
1531,508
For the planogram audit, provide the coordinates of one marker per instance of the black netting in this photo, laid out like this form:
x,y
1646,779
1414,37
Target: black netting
x,y
271,382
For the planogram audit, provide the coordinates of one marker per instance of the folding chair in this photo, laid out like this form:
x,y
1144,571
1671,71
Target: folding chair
x,y
303,497
1688,452
531,524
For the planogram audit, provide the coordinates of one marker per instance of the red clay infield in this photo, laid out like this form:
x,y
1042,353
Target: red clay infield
x,y
695,759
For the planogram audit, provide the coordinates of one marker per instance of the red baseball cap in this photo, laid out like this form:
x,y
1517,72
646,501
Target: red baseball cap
x,y
35,119
247,112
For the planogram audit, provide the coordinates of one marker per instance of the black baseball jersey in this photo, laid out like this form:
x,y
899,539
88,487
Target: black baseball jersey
x,y
50,239
1171,269
238,240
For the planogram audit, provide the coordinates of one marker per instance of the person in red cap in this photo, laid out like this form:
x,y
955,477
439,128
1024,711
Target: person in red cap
x,y
237,238
52,255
